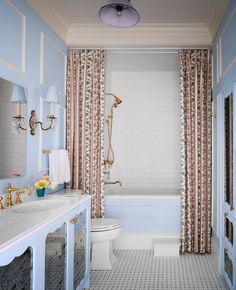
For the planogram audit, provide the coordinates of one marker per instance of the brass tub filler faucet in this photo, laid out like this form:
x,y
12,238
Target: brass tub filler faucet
x,y
113,182
18,191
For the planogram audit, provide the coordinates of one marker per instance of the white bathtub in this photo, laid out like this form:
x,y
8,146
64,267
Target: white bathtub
x,y
124,192
145,214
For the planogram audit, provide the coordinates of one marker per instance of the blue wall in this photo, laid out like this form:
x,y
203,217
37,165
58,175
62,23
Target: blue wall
x,y
224,76
224,51
33,56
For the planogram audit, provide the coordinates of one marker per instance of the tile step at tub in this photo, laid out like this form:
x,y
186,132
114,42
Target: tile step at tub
x,y
166,247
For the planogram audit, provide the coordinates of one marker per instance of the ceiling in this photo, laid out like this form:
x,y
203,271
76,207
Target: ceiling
x,y
163,22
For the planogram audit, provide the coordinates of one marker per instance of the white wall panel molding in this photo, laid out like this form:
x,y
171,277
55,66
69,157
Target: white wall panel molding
x,y
43,81
219,159
232,15
41,58
143,34
21,68
50,15
218,61
40,132
217,13
231,64
228,21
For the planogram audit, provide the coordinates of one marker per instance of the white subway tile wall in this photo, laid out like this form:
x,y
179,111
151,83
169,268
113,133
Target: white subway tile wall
x,y
146,126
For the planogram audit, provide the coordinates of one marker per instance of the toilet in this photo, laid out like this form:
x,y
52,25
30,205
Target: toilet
x,y
103,232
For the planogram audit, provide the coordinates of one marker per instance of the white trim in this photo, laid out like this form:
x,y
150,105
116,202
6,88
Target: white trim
x,y
42,100
51,16
220,58
220,173
217,63
139,240
143,34
23,52
218,162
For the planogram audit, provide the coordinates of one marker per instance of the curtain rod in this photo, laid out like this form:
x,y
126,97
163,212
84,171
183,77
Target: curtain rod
x,y
144,49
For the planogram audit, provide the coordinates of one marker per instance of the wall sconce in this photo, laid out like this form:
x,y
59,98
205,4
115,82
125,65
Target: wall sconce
x,y
18,97
52,98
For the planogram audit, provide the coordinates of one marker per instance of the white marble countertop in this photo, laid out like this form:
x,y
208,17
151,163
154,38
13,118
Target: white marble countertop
x,y
15,222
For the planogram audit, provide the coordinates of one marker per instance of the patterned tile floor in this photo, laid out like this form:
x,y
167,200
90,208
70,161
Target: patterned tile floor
x,y
140,270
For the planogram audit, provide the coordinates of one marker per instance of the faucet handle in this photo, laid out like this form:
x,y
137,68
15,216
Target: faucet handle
x,y
1,205
9,186
18,200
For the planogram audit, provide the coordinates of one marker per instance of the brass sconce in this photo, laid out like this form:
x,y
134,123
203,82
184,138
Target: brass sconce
x,y
18,97
52,98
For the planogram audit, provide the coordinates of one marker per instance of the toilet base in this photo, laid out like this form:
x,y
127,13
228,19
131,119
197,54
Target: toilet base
x,y
103,257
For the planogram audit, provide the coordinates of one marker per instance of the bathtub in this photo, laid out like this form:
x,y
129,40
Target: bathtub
x,y
145,214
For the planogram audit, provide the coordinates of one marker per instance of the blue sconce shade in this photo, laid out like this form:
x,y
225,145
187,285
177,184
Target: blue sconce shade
x,y
52,95
119,13
18,95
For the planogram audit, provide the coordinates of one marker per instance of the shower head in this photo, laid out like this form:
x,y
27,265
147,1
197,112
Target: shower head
x,y
117,99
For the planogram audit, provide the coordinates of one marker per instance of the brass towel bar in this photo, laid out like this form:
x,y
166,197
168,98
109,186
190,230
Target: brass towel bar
x,y
46,151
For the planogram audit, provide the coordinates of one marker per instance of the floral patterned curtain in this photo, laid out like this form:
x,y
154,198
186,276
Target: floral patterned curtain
x,y
85,123
196,114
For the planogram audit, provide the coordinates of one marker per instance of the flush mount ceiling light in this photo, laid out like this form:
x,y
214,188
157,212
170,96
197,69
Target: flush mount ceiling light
x,y
119,13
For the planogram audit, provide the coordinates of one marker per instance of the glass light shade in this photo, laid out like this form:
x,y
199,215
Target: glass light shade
x,y
119,13
18,95
52,95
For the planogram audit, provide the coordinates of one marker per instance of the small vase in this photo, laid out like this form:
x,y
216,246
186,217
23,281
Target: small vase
x,y
40,192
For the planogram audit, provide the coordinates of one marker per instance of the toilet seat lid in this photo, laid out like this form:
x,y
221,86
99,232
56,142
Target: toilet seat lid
x,y
102,224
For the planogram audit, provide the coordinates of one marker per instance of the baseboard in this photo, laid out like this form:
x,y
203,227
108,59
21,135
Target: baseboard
x,y
139,241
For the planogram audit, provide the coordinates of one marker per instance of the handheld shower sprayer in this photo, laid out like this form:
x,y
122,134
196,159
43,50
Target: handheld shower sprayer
x,y
110,154
117,100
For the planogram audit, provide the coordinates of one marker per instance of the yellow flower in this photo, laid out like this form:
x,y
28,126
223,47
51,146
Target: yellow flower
x,y
53,185
45,182
41,183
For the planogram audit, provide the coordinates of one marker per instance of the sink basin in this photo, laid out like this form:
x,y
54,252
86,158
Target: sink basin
x,y
37,206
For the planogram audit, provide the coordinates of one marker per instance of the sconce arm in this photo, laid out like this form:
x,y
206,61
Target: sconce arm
x,y
33,122
19,119
51,118
22,127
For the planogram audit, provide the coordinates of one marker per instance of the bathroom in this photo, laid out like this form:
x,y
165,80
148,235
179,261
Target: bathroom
x,y
142,68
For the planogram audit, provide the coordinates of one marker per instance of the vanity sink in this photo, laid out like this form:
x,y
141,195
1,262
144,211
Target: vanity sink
x,y
37,206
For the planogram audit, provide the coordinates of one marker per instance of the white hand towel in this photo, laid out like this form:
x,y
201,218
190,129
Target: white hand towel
x,y
59,168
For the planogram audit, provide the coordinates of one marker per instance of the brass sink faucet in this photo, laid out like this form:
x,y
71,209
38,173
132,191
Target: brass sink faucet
x,y
11,189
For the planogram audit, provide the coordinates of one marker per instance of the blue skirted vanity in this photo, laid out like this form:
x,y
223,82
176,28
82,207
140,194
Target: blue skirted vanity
x,y
45,243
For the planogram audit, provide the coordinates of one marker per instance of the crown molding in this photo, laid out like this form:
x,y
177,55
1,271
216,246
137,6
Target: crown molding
x,y
217,13
50,16
143,34
152,34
